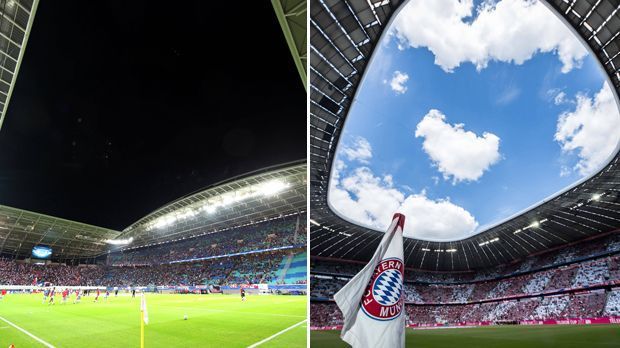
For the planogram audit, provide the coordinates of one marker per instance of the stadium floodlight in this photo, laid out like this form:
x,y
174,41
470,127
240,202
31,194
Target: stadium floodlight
x,y
596,197
210,209
272,187
210,205
488,241
314,223
426,249
119,241
450,250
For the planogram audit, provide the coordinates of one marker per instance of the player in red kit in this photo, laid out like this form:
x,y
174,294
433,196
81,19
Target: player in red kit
x,y
97,297
78,296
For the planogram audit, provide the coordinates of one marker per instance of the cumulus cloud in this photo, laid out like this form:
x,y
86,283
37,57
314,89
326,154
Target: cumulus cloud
x,y
511,31
397,83
371,200
457,153
592,129
360,150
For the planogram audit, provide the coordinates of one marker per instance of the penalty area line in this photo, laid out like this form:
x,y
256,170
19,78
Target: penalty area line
x,y
28,333
277,334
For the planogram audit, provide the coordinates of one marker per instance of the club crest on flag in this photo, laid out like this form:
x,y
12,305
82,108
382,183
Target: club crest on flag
x,y
383,298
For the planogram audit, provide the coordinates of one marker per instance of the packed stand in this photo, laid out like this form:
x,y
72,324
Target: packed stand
x,y
245,269
265,235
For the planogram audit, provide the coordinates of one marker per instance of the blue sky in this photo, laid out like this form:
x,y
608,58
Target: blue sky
x,y
466,117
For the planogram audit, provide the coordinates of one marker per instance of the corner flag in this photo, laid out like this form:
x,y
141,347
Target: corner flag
x,y
144,314
372,302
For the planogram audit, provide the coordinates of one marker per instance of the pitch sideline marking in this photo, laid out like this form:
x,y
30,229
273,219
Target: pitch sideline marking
x,y
277,334
28,333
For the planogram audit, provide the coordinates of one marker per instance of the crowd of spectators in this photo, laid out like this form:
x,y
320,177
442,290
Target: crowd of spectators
x,y
265,235
575,253
612,307
14,273
244,269
583,266
568,306
578,275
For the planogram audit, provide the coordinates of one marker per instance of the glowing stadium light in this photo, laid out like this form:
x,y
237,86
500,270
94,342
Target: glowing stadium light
x,y
488,241
272,187
314,223
212,204
119,241
450,250
596,197
426,249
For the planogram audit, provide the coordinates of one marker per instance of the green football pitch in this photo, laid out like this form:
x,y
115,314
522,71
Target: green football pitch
x,y
560,336
212,321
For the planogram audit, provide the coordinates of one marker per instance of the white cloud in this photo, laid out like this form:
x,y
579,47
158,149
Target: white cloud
x,y
371,200
592,129
560,98
398,82
507,31
360,150
457,153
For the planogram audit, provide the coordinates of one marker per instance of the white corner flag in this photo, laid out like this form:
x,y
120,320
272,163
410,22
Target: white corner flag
x,y
372,302
145,312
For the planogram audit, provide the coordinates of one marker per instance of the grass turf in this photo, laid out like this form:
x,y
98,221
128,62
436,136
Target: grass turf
x,y
560,336
213,321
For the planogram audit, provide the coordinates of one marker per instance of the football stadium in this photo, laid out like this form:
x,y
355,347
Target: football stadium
x,y
82,264
191,258
548,276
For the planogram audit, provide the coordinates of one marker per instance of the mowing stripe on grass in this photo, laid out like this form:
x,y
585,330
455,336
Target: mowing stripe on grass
x,y
28,333
277,334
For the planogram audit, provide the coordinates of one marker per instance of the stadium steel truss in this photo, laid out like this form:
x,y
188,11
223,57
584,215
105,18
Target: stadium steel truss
x,y
16,17
343,35
293,16
258,196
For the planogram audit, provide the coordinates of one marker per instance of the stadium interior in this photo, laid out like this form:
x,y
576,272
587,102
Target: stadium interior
x,y
247,230
557,260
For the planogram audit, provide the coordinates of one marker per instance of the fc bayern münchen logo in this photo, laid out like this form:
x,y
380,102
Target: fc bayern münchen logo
x,y
383,299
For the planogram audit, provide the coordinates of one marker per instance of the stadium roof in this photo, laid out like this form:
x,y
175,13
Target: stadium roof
x,y
261,195
16,17
258,196
20,230
343,36
293,16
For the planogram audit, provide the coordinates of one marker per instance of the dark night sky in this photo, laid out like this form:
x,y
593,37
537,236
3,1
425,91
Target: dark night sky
x,y
123,106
